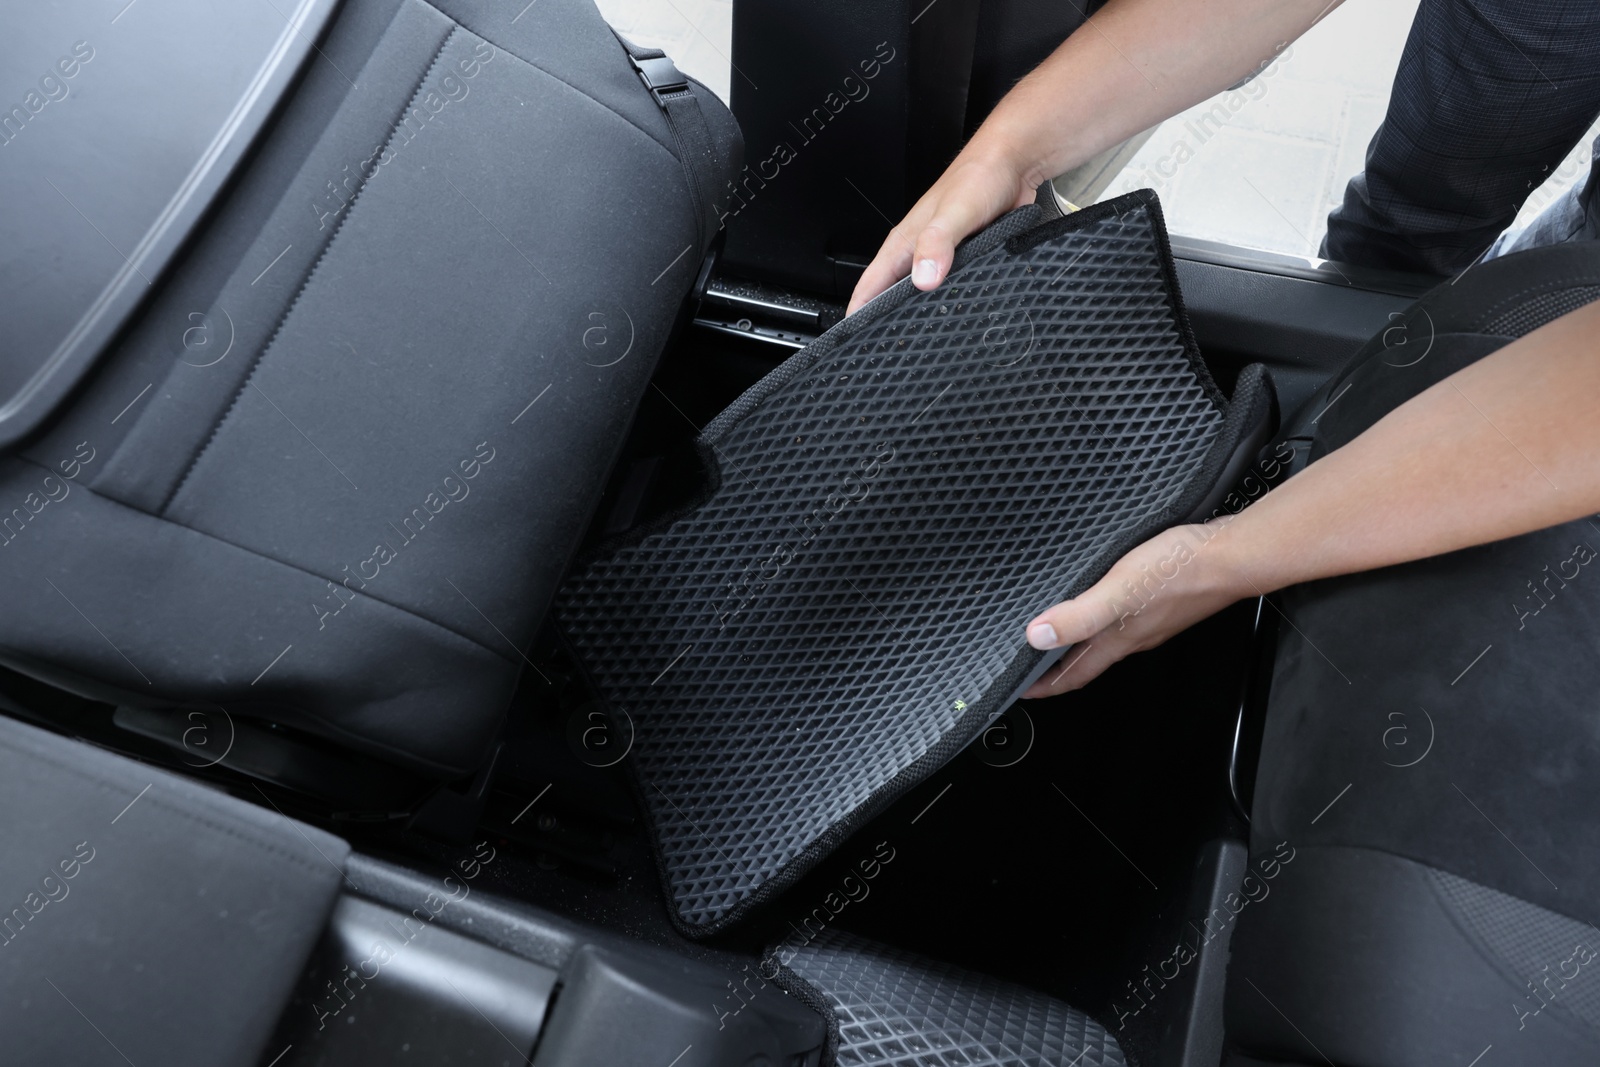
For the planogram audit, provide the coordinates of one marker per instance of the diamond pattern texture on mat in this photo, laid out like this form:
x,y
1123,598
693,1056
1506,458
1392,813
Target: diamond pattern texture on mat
x,y
899,1010
887,520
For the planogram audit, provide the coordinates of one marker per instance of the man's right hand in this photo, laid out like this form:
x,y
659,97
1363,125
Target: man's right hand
x,y
978,188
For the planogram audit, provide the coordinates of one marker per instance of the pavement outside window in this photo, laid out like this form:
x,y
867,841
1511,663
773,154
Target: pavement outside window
x,y
1263,165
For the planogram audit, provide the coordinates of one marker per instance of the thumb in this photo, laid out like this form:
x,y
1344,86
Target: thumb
x,y
1074,620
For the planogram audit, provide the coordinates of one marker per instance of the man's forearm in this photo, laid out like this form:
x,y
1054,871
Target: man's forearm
x,y
1508,445
1134,64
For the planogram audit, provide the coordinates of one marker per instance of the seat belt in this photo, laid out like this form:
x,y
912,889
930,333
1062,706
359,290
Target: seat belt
x,y
675,95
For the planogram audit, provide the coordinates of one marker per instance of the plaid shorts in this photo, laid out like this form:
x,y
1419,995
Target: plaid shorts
x,y
1489,97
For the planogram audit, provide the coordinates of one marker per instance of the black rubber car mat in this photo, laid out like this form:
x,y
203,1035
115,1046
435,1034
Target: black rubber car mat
x,y
888,1008
844,610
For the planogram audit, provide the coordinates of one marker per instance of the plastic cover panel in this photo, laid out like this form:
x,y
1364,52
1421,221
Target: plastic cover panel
x,y
149,919
118,124
845,611
893,1009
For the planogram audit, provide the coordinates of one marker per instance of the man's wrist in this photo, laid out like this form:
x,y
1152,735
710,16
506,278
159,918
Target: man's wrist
x,y
1231,558
999,144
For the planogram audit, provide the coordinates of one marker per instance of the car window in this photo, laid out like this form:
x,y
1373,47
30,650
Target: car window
x,y
1259,166
697,34
1263,164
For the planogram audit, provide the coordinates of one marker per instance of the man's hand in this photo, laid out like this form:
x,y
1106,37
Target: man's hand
x,y
978,188
1501,447
1134,64
1164,586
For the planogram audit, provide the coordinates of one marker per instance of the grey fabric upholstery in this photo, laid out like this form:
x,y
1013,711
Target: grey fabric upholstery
x,y
1483,654
1430,754
1359,957
332,474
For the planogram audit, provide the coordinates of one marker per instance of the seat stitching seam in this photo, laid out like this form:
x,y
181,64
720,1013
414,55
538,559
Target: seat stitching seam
x,y
305,284
1547,287
285,563
231,831
562,81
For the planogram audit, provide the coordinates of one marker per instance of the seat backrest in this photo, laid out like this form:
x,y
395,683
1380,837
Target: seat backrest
x,y
1428,756
331,473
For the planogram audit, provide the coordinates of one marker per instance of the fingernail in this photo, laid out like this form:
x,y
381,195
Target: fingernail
x,y
925,273
1042,635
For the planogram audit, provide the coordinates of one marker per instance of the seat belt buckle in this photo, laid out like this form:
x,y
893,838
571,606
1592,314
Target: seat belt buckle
x,y
661,76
